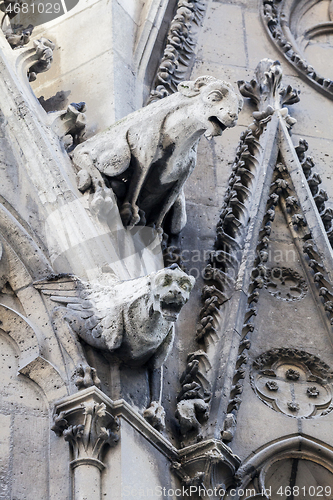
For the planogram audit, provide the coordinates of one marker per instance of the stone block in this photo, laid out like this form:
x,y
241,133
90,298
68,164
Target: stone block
x,y
259,45
139,470
222,37
30,446
257,424
5,456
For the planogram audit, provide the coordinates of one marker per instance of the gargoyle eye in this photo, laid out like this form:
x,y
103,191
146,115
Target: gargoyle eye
x,y
185,285
215,95
167,280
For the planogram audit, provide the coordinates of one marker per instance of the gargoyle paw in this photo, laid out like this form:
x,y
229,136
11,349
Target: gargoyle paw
x,y
129,215
102,203
86,376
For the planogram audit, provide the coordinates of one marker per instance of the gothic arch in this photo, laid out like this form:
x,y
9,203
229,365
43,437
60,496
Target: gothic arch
x,y
293,446
31,363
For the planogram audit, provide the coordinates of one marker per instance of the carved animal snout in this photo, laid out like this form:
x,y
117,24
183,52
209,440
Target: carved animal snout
x,y
233,116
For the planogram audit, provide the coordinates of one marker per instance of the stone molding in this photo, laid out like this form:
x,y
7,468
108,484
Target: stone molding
x,y
179,48
31,363
280,20
301,446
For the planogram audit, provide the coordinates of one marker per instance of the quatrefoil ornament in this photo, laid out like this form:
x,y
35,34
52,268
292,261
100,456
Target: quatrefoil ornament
x,y
294,383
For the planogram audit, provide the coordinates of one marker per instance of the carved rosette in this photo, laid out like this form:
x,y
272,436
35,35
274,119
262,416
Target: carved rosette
x,y
285,284
293,382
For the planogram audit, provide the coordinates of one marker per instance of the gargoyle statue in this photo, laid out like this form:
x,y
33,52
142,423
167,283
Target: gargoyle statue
x,y
132,320
147,156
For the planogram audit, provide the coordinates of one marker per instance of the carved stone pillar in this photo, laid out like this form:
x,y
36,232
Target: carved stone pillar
x,y
86,422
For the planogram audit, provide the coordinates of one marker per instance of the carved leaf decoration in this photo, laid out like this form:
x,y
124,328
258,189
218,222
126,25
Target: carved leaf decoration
x,y
90,309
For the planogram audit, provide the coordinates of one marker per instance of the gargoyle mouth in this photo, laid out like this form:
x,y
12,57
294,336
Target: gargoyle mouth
x,y
170,308
218,126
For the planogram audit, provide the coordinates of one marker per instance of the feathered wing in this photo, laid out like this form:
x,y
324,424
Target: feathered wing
x,y
89,310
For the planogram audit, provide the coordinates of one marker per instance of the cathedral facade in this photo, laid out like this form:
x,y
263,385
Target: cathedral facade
x,y
166,263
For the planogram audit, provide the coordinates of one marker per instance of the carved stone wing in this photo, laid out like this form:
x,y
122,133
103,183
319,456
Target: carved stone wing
x,y
88,310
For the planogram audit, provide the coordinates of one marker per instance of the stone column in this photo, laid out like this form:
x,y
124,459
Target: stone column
x,y
86,422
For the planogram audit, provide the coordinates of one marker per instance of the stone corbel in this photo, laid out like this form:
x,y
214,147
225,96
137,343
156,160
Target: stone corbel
x,y
206,469
86,422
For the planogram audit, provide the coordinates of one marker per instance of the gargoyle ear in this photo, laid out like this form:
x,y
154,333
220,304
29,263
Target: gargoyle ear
x,y
188,89
191,89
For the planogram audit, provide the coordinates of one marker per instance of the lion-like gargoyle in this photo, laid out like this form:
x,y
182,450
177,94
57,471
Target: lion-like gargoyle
x,y
132,320
147,156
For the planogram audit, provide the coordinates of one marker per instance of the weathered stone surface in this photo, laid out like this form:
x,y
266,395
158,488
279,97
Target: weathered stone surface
x,y
47,225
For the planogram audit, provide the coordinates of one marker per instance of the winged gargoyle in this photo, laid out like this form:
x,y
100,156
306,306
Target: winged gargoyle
x,y
132,320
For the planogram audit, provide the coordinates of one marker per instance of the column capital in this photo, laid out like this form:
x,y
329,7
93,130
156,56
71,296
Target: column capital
x,y
87,423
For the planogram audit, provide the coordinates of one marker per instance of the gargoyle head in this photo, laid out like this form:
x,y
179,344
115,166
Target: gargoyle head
x,y
171,289
218,106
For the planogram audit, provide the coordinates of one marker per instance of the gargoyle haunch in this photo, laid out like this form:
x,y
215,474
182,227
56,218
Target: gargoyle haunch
x,y
147,156
132,320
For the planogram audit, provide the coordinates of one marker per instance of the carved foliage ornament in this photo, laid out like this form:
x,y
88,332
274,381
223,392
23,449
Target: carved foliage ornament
x,y
292,382
291,28
320,196
87,422
179,48
88,437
